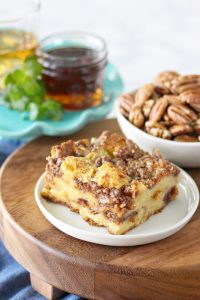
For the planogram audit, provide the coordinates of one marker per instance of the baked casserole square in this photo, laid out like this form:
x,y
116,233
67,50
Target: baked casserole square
x,y
110,181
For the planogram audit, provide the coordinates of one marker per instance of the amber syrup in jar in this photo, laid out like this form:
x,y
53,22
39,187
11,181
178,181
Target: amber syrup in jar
x,y
73,69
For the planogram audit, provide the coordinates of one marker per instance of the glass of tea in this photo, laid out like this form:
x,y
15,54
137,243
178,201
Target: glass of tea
x,y
73,68
18,33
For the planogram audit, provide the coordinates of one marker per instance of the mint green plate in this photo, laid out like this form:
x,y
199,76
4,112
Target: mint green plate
x,y
14,127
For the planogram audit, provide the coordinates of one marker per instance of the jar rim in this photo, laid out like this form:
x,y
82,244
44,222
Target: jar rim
x,y
40,52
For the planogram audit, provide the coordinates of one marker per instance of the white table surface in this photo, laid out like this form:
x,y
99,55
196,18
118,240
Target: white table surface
x,y
144,37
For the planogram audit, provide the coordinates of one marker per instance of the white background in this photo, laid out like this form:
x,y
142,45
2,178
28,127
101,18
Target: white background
x,y
143,36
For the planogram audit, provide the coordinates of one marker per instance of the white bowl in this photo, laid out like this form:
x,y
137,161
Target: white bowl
x,y
183,154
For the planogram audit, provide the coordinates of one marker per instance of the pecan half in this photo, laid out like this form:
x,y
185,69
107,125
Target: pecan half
x,y
167,108
158,110
165,76
189,87
192,98
136,117
172,99
126,102
167,118
147,107
158,130
190,78
180,129
188,82
167,79
143,94
155,96
186,138
162,90
197,126
181,114
166,121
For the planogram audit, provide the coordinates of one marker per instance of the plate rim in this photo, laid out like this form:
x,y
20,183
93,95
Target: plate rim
x,y
109,237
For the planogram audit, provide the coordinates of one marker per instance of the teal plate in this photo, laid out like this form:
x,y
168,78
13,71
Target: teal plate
x,y
14,127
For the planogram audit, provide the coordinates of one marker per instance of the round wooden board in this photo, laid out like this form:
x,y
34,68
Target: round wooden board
x,y
58,262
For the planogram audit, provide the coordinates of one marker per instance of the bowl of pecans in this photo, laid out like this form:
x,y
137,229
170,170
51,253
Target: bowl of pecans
x,y
165,115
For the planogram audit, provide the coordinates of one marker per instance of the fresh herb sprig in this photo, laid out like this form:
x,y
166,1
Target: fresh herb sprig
x,y
25,92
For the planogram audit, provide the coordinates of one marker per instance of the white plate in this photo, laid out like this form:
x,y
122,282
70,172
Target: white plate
x,y
173,217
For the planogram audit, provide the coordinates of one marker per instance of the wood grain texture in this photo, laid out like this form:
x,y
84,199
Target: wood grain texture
x,y
168,268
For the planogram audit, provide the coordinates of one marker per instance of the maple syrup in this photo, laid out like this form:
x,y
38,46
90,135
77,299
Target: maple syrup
x,y
73,69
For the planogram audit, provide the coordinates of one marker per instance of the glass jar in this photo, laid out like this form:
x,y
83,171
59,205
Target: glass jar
x,y
73,68
18,33
19,29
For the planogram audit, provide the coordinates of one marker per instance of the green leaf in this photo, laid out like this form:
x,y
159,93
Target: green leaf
x,y
25,92
32,67
14,93
33,87
36,99
20,104
6,95
16,77
53,110
34,110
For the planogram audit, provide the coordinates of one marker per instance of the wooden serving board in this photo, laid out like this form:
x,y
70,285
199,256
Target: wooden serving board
x,y
57,262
